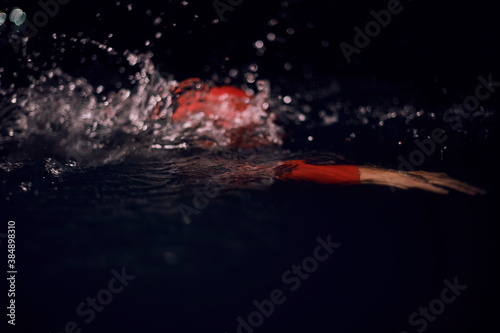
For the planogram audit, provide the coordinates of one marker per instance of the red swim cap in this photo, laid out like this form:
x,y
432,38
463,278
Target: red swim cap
x,y
215,102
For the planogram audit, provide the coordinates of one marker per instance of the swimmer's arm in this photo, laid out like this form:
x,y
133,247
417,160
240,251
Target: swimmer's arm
x,y
300,170
351,174
430,181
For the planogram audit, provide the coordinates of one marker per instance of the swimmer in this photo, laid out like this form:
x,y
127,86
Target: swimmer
x,y
228,110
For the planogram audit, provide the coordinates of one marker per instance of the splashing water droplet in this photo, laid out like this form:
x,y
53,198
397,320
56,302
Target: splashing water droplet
x,y
258,44
271,37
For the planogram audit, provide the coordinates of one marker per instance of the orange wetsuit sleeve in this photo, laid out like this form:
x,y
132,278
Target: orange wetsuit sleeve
x,y
324,174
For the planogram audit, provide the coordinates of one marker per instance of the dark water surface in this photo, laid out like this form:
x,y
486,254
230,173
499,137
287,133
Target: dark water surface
x,y
396,249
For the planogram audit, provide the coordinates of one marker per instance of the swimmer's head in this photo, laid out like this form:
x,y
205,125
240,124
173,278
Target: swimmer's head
x,y
223,115
224,104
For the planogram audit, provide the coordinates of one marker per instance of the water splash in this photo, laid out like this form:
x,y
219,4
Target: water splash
x,y
75,121
67,118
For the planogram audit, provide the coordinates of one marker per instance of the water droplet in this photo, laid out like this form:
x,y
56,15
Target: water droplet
x,y
250,78
3,18
25,186
258,44
262,85
17,16
233,73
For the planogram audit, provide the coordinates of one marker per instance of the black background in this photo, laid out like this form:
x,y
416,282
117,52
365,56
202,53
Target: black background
x,y
434,45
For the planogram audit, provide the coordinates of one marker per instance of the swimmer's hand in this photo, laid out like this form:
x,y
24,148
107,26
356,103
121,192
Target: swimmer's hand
x,y
429,181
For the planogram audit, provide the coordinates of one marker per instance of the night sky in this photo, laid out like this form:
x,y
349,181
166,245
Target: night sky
x,y
428,44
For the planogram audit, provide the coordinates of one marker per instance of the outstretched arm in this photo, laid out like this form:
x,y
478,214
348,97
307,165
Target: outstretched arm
x,y
351,174
431,181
